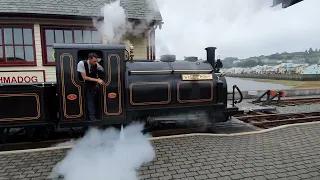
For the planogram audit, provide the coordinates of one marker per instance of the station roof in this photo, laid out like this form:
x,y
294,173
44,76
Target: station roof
x,y
286,3
134,9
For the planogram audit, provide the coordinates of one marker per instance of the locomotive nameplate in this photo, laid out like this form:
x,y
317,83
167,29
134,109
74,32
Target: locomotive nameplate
x,y
196,77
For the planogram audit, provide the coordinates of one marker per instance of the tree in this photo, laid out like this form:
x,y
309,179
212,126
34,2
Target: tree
x,y
249,63
311,51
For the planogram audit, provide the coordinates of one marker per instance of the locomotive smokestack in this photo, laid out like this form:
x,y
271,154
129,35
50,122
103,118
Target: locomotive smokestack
x,y
211,54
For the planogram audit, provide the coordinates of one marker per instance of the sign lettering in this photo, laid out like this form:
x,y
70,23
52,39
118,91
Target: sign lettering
x,y
21,77
195,77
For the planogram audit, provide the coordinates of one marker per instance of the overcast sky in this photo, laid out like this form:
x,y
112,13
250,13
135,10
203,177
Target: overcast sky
x,y
238,28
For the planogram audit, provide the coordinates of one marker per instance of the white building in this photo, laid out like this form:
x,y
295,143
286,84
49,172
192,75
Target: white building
x,y
313,69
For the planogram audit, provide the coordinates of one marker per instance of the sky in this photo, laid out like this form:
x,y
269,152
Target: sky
x,y
238,28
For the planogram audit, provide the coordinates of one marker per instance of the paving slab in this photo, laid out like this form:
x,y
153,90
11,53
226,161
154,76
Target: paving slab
x,y
292,152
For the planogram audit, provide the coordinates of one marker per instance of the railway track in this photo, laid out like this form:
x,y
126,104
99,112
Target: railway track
x,y
290,102
272,120
300,101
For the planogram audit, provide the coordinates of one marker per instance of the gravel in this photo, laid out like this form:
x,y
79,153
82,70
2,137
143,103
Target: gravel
x,y
246,105
300,108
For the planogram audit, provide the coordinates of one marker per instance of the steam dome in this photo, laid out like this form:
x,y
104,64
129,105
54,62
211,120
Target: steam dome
x,y
191,58
168,58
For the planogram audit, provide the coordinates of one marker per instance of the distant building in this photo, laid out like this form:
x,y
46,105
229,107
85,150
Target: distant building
x,y
313,69
283,68
298,69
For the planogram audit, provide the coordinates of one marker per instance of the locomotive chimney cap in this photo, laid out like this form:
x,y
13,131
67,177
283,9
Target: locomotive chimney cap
x,y
212,47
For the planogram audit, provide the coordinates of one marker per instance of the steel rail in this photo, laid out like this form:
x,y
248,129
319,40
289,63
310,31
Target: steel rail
x,y
271,120
285,121
295,101
303,114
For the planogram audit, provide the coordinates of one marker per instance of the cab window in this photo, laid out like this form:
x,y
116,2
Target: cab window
x,y
83,55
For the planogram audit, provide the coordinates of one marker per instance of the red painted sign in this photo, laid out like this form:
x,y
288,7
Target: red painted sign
x,y
112,95
72,97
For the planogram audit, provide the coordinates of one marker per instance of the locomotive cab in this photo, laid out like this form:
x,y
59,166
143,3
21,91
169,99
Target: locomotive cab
x,y
72,90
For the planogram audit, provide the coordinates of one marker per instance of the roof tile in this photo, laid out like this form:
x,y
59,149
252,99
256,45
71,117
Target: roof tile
x,y
137,9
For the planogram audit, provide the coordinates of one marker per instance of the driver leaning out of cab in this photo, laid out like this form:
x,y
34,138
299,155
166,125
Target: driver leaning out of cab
x,y
89,73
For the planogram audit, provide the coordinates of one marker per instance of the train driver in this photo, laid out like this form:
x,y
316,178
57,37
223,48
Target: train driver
x,y
89,71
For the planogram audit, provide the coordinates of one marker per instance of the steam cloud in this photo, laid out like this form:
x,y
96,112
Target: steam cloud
x,y
106,155
238,28
116,27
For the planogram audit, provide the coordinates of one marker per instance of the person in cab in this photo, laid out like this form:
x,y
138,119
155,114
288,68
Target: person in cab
x,y
89,72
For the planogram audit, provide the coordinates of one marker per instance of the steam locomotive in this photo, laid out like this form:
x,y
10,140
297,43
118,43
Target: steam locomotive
x,y
164,91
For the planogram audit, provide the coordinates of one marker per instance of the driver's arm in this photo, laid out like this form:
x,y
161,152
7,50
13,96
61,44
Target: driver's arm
x,y
82,70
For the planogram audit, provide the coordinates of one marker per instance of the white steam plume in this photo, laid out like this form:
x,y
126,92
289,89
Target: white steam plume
x,y
106,155
116,27
238,28
114,22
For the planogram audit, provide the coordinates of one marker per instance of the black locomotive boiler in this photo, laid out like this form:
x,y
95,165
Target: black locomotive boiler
x,y
165,91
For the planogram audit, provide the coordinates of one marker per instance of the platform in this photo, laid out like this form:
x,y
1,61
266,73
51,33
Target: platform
x,y
291,152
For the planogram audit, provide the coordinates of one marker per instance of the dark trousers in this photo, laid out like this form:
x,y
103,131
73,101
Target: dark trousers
x,y
91,94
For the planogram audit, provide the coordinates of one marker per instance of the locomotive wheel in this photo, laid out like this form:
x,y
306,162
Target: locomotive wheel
x,y
4,135
71,132
149,123
148,126
40,133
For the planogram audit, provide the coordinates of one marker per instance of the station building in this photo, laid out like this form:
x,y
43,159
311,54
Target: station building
x,y
28,29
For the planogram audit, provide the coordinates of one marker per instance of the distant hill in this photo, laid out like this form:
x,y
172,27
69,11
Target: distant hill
x,y
308,56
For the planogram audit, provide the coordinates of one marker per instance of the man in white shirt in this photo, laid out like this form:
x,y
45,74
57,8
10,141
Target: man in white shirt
x,y
89,73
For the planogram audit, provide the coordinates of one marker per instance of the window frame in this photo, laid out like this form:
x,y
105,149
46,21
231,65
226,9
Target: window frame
x,y
24,26
43,29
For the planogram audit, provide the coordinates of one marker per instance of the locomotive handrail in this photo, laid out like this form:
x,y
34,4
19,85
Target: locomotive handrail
x,y
151,72
170,71
38,84
194,71
233,93
43,84
221,74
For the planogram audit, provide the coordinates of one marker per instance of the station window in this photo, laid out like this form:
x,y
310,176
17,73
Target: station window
x,y
68,35
17,45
